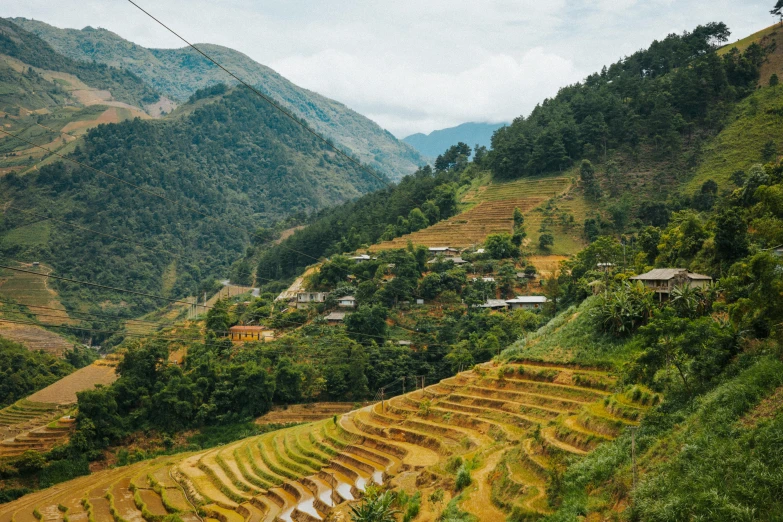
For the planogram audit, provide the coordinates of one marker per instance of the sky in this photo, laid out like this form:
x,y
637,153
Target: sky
x,y
415,65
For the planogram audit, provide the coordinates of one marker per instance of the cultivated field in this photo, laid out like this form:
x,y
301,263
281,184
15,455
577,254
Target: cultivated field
x,y
513,423
64,391
298,413
33,290
547,204
28,425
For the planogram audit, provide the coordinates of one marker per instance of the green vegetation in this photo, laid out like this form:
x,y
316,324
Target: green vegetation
x,y
30,49
179,73
239,175
656,96
23,372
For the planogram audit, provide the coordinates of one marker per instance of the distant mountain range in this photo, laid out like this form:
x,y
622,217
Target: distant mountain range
x,y
437,141
178,73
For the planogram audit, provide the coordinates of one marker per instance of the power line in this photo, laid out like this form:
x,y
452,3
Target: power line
x,y
113,288
266,98
74,225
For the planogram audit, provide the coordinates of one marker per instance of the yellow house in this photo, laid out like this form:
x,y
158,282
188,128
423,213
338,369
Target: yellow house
x,y
241,334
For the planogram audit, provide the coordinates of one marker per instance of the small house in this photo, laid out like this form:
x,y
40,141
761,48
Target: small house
x,y
335,317
361,258
444,251
527,302
495,304
241,334
347,301
404,343
663,280
303,298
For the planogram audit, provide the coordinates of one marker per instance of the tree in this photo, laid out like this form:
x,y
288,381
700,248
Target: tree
x,y
731,237
546,240
587,175
519,218
501,246
773,80
778,10
368,322
417,220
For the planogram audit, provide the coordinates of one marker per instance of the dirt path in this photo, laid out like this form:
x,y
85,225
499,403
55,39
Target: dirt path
x,y
480,501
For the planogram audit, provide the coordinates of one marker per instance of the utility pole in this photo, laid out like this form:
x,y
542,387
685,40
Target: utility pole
x,y
633,454
332,484
403,385
383,406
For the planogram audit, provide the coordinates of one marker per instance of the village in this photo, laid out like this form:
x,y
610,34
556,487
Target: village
x,y
491,281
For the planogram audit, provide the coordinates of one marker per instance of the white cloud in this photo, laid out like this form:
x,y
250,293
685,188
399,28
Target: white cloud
x,y
415,65
406,100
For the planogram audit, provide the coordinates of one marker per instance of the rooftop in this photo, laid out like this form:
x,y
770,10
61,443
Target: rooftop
x,y
528,299
664,274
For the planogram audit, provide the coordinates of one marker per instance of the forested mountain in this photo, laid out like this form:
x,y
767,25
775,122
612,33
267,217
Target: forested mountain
x,y
27,48
439,140
227,155
676,93
178,73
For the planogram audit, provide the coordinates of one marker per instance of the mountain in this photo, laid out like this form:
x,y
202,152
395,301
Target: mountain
x,y
178,73
226,162
437,141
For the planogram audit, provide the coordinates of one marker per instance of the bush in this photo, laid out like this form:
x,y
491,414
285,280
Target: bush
x,y
463,478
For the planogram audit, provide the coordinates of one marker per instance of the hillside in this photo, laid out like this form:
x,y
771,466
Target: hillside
x,y
178,73
434,143
512,423
252,166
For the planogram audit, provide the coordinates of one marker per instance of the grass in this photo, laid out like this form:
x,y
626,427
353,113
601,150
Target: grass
x,y
572,338
738,146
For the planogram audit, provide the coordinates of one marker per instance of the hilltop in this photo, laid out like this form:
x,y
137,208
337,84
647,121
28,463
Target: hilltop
x,y
434,143
178,73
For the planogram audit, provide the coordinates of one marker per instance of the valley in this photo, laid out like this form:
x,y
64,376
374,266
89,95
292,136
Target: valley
x,y
213,310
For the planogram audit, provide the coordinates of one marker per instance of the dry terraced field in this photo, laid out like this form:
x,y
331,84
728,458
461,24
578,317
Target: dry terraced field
x,y
492,213
512,421
27,425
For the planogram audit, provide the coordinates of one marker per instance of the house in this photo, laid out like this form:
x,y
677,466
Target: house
x,y
404,343
494,304
241,334
527,302
347,301
455,260
663,280
480,251
361,258
303,298
605,266
335,317
444,251
778,251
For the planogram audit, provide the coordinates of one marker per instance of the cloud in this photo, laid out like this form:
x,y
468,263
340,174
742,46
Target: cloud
x,y
405,99
414,65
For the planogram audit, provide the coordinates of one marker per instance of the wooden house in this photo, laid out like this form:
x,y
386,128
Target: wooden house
x,y
663,280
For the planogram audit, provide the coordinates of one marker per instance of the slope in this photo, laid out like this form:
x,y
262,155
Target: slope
x,y
227,155
178,73
509,425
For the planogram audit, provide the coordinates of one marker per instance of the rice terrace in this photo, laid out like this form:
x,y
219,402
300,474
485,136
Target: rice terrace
x,y
396,262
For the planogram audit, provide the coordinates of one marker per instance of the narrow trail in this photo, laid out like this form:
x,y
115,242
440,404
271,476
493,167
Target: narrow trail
x,y
479,503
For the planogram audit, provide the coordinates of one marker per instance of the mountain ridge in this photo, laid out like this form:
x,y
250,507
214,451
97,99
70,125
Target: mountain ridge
x,y
470,133
178,73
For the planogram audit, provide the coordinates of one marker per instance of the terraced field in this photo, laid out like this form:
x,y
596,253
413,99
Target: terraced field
x,y
27,425
299,413
513,422
492,213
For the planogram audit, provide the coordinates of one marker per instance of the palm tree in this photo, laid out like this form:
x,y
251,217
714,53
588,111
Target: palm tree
x,y
375,508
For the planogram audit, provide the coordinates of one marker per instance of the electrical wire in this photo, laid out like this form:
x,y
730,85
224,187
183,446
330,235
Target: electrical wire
x,y
266,98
